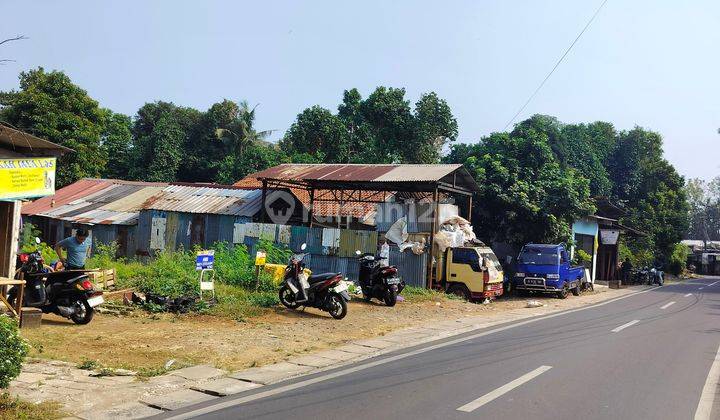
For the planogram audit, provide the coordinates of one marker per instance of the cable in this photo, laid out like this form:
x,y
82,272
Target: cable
x,y
556,65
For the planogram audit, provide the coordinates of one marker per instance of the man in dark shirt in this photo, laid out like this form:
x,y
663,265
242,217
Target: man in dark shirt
x,y
626,270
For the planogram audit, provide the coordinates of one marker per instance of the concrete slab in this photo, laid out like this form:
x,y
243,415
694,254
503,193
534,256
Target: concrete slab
x,y
376,343
271,373
199,373
225,386
133,410
312,360
354,348
338,355
167,380
176,399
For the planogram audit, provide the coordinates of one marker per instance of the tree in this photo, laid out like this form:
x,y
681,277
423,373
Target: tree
x,y
436,126
116,140
650,188
526,195
50,106
379,129
239,133
166,143
255,157
319,133
704,202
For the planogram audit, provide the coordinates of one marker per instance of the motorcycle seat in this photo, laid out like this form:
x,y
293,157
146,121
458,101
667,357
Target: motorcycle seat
x,y
317,278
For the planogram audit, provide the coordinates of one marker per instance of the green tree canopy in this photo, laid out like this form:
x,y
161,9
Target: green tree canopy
x,y
382,128
526,195
49,105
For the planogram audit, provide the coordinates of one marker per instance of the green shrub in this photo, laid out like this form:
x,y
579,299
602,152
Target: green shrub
x,y
582,257
13,350
171,273
678,259
264,299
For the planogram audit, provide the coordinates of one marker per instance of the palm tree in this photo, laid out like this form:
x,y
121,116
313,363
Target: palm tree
x,y
240,132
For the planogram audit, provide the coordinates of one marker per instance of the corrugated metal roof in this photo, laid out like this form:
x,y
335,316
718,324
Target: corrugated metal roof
x,y
359,210
96,201
358,172
189,199
23,142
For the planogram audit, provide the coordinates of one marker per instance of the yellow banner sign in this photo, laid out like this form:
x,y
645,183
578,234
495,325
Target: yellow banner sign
x,y
27,178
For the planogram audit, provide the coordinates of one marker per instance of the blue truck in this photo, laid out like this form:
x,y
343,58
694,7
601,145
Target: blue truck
x,y
546,268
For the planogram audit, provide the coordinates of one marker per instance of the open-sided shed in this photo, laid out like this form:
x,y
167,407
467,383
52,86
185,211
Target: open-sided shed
x,y
359,183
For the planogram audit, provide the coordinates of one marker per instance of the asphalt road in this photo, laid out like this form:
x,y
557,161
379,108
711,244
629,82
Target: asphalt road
x,y
641,357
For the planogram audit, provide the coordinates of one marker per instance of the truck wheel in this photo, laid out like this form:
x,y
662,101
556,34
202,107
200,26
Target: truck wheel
x,y
459,290
563,294
576,290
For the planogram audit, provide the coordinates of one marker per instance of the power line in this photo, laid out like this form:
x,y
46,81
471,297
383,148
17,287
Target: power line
x,y
556,65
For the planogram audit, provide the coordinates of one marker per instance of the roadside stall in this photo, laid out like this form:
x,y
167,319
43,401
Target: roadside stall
x,y
27,170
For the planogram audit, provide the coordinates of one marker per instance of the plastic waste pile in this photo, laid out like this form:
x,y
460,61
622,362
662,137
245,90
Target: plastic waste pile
x,y
454,232
398,234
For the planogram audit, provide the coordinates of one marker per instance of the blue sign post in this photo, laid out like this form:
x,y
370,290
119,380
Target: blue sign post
x,y
205,260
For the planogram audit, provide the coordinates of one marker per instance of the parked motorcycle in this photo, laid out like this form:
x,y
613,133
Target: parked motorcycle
x,y
327,291
69,294
641,275
377,281
656,276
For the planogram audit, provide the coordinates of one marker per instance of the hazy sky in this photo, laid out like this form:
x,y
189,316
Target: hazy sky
x,y
653,63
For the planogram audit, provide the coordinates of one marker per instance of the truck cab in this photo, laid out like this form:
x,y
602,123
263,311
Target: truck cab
x,y
472,272
546,268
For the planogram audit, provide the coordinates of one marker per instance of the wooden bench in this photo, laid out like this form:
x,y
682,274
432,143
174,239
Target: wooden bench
x,y
5,283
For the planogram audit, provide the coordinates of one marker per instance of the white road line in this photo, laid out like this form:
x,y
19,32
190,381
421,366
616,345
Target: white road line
x,y
667,305
713,283
688,295
372,363
700,288
707,397
623,326
475,404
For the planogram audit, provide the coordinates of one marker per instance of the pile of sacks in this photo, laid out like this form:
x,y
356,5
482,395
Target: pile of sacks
x,y
454,232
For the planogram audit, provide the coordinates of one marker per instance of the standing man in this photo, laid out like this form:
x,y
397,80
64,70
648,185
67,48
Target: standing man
x,y
78,249
626,269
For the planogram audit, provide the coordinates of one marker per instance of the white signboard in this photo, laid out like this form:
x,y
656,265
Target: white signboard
x,y
609,236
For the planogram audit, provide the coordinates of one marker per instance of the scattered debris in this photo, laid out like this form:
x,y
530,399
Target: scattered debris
x,y
534,304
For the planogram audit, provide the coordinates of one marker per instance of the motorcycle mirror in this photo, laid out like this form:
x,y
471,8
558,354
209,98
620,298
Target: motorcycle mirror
x,y
357,252
37,240
303,246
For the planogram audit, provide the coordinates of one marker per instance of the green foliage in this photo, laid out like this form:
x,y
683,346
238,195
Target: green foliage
x,y
264,299
50,106
12,351
704,201
117,141
380,129
525,194
537,179
28,244
582,257
13,408
678,259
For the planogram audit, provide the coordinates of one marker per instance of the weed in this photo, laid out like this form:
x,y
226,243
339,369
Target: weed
x,y
16,409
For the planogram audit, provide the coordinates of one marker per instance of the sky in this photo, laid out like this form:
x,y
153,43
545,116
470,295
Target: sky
x,y
651,63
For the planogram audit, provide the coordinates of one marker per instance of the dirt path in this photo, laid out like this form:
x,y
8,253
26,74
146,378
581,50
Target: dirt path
x,y
147,342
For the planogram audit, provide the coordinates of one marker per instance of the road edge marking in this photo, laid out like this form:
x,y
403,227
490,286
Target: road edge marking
x,y
713,283
499,392
707,396
623,326
667,305
688,295
264,394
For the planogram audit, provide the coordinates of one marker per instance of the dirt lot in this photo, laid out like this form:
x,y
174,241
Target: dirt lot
x,y
146,342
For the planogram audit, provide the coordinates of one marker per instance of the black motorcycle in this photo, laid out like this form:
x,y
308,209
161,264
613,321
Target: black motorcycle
x,y
377,281
69,294
323,291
